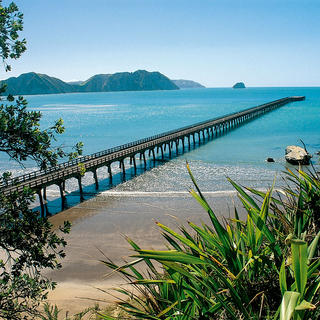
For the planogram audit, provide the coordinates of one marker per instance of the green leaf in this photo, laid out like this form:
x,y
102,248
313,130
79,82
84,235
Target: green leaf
x,y
262,195
282,278
163,312
263,216
147,281
300,263
184,240
313,267
313,247
305,305
121,269
136,247
288,304
209,238
222,233
312,291
171,255
203,282
244,194
262,226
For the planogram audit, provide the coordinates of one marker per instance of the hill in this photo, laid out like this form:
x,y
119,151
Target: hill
x,y
187,84
36,83
128,81
74,83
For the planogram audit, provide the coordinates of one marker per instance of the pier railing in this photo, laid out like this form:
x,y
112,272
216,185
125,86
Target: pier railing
x,y
112,154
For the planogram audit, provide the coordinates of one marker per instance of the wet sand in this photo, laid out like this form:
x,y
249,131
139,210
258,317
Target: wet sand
x,y
98,229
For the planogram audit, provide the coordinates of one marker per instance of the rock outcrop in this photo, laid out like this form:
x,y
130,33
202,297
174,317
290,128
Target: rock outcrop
x,y
239,85
297,155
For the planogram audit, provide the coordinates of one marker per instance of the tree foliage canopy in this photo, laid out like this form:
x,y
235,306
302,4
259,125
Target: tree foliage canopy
x,y
21,137
27,243
11,22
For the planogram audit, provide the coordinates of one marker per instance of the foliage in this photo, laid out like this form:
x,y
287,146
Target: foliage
x,y
22,138
303,205
297,301
27,243
11,22
82,169
266,267
53,313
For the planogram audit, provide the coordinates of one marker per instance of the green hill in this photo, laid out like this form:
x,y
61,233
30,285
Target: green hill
x,y
36,83
187,84
128,81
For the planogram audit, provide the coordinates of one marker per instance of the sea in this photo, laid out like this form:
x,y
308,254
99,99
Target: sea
x,y
108,119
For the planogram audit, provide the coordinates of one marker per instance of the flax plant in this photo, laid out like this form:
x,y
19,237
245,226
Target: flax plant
x,y
265,267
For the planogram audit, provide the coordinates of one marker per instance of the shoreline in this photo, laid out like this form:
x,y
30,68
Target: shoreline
x,y
98,229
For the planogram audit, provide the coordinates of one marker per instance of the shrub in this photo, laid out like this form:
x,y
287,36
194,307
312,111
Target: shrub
x,y
266,267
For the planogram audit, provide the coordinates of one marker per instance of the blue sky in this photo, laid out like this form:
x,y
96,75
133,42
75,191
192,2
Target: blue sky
x,y
215,42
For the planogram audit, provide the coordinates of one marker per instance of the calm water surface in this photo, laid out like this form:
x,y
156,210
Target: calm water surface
x,y
104,120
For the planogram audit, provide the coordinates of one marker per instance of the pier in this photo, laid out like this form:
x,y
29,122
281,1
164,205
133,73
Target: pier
x,y
151,148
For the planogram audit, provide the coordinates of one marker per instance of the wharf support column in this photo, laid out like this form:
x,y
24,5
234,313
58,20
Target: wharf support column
x,y
79,178
196,134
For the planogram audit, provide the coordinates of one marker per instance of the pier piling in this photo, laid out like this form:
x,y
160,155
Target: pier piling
x,y
40,180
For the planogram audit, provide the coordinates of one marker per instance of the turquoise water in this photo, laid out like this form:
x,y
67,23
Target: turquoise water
x,y
104,120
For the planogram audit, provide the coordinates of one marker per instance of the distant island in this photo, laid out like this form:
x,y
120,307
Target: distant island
x,y
36,83
187,84
239,85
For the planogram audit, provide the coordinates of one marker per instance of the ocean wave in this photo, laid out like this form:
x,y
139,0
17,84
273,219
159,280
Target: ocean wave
x,y
163,193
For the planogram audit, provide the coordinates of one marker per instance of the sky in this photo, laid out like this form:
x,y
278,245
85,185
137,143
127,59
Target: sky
x,y
214,42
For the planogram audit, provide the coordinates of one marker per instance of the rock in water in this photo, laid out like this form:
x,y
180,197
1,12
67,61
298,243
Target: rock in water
x,y
270,160
239,85
297,155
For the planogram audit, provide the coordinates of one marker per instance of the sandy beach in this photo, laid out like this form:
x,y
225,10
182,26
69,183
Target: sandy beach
x,y
98,229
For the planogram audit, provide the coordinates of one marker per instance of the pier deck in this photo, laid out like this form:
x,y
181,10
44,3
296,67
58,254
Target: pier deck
x,y
160,144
